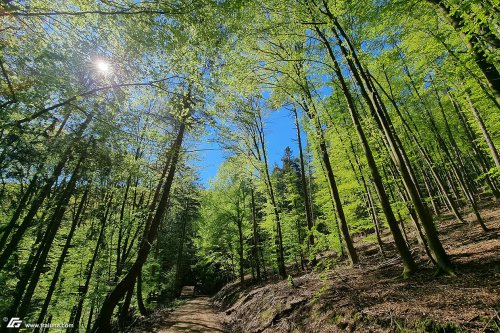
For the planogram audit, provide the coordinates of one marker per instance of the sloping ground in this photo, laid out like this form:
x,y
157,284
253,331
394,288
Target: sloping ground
x,y
371,297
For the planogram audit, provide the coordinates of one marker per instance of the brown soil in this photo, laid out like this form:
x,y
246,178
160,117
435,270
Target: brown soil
x,y
372,298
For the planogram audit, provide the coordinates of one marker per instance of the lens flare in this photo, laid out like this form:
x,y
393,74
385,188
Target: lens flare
x,y
103,66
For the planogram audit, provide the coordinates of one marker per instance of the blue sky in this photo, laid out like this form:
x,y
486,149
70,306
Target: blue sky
x,y
280,132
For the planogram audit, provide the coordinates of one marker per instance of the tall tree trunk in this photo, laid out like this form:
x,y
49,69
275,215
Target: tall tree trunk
x,y
370,203
62,257
401,160
24,293
409,265
240,249
123,317
140,300
255,247
484,131
31,190
478,151
82,293
180,250
43,194
307,204
279,236
337,203
413,133
103,322
310,110
119,246
452,158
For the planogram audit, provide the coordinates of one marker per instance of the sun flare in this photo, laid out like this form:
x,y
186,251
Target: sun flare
x,y
103,66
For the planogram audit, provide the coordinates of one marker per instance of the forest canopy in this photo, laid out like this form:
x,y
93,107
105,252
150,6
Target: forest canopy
x,y
103,104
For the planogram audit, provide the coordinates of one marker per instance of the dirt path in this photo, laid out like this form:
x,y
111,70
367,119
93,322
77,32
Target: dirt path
x,y
197,315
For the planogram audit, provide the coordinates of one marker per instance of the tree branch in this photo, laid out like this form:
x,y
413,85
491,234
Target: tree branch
x,y
87,93
87,12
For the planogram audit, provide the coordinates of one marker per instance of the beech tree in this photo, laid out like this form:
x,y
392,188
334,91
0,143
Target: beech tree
x,y
107,108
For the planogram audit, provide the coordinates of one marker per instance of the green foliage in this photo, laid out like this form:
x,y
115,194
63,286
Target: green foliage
x,y
97,92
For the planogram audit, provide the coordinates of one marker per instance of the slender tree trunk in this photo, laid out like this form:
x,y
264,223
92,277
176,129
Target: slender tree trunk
x,y
305,191
279,236
38,201
312,113
31,190
180,251
90,269
62,257
452,158
408,262
255,247
119,249
21,303
337,203
103,322
140,300
478,151
429,192
423,152
484,131
240,249
124,311
398,153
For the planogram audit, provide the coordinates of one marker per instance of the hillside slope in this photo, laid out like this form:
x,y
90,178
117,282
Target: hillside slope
x,y
371,298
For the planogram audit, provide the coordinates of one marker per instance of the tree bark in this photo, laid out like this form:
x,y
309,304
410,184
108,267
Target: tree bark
x,y
279,236
409,265
255,247
398,153
140,301
103,322
484,131
307,204
24,292
38,201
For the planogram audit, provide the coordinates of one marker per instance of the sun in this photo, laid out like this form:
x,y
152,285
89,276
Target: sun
x,y
103,66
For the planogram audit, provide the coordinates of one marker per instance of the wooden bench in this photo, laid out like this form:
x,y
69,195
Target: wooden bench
x,y
187,291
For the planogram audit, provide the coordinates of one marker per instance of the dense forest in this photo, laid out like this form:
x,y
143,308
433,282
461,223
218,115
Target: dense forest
x,y
103,104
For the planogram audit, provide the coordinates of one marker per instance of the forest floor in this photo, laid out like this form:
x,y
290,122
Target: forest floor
x,y
369,297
